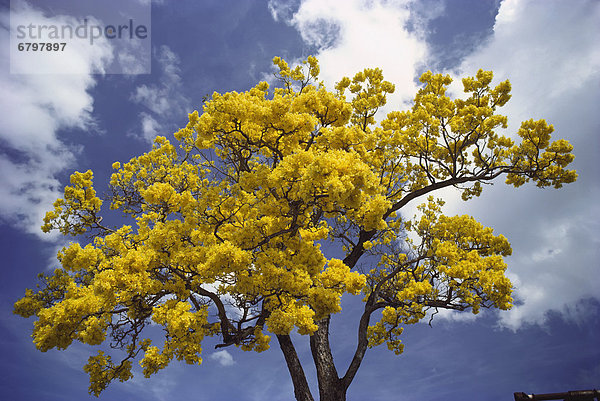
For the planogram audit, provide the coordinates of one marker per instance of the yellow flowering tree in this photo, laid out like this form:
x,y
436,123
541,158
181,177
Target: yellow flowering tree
x,y
228,232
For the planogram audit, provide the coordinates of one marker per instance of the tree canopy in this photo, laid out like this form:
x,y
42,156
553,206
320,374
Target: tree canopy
x,y
230,232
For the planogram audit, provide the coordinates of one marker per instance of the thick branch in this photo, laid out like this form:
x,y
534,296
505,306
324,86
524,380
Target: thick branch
x,y
330,385
361,347
358,250
439,185
225,323
301,389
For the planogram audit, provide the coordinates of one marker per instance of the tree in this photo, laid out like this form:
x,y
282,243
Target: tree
x,y
227,233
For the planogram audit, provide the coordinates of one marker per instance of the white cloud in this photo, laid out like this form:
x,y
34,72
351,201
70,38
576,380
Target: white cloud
x,y
150,127
133,57
550,54
282,9
165,101
152,97
35,107
223,358
78,56
352,35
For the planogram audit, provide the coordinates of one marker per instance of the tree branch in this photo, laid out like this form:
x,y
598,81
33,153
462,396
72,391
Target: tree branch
x,y
301,389
330,386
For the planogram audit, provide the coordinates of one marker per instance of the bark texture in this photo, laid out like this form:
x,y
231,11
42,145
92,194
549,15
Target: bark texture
x,y
331,387
301,389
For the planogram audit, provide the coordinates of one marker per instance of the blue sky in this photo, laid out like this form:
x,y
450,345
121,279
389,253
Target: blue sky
x,y
56,123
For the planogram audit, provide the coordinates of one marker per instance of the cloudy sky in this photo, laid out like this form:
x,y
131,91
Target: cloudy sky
x,y
79,114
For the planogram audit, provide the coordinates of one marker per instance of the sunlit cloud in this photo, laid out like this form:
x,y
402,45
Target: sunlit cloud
x,y
35,110
164,101
353,35
223,358
551,56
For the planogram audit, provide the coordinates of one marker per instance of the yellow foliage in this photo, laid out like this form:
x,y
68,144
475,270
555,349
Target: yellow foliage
x,y
76,212
229,230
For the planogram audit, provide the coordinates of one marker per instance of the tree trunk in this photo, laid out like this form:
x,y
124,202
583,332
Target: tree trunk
x,y
361,347
301,389
331,387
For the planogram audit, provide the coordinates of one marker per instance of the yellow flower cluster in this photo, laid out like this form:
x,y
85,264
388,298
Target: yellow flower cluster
x,y
387,330
185,331
289,315
259,343
466,257
102,371
546,168
77,211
